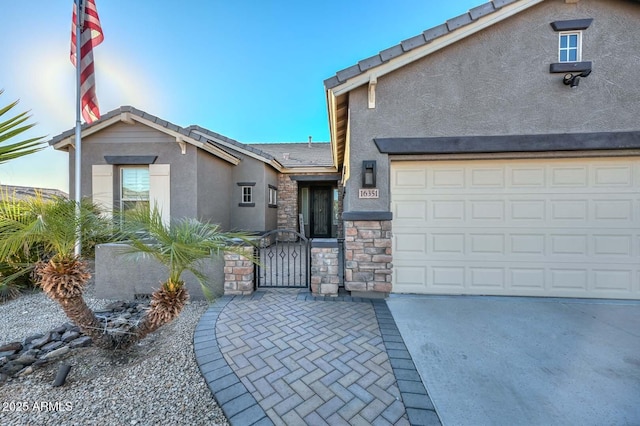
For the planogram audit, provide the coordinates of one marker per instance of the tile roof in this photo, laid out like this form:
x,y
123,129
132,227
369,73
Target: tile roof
x,y
294,154
416,41
299,153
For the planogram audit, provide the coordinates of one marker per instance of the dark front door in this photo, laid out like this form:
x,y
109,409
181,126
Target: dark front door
x,y
320,220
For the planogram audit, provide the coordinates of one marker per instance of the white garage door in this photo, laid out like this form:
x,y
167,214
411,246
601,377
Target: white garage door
x,y
558,228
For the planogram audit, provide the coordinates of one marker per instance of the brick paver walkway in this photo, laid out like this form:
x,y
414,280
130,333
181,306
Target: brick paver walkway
x,y
278,358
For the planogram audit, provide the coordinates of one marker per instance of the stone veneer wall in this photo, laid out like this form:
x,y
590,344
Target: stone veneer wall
x,y
287,203
324,269
239,273
368,258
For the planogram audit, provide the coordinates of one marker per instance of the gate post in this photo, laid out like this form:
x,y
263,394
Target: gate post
x,y
325,267
239,273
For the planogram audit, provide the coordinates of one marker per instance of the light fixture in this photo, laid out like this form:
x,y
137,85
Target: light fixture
x,y
574,79
369,174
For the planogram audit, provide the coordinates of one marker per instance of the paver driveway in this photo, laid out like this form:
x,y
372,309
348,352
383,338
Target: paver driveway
x,y
525,361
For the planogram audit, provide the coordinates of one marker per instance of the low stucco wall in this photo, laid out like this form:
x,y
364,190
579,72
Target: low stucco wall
x,y
123,276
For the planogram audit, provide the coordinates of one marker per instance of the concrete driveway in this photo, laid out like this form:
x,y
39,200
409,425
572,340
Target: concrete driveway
x,y
525,361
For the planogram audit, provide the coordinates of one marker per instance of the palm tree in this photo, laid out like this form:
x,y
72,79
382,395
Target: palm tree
x,y
63,277
51,225
12,127
179,246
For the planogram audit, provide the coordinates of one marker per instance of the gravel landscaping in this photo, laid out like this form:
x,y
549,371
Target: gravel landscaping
x,y
157,382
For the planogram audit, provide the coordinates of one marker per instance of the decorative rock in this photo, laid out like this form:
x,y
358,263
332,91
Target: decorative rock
x,y
80,342
60,330
11,368
25,359
57,353
69,336
40,342
51,346
28,340
21,358
13,346
25,371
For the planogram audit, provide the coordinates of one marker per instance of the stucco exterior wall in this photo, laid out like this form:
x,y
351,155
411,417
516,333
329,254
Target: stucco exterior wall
x,y
125,139
214,189
249,218
497,82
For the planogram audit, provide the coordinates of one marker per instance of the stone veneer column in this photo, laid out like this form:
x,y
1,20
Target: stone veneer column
x,y
324,267
239,273
368,258
287,203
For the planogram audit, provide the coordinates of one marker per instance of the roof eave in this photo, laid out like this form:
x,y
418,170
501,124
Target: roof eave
x,y
432,46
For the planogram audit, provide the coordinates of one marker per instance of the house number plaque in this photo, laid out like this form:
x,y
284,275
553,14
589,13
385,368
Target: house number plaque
x,y
368,193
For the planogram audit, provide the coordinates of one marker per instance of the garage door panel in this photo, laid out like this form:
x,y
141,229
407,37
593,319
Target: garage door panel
x,y
487,178
607,281
561,228
608,176
613,245
527,279
613,209
447,178
447,243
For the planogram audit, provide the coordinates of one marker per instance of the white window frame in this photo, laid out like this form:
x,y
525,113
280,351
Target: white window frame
x,y
273,196
122,195
246,194
568,49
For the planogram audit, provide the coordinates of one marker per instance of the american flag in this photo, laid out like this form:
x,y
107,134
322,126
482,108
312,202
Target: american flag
x,y
90,37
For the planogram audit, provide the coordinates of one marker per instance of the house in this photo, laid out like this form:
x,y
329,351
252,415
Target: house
x,y
497,153
502,150
131,157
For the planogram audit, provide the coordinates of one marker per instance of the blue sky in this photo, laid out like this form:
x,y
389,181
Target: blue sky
x,y
250,70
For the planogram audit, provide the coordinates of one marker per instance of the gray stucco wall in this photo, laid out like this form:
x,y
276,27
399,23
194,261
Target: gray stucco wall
x,y
136,275
497,82
214,189
271,213
138,139
249,218
200,182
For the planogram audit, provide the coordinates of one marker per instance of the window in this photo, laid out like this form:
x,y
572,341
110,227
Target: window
x,y
273,196
336,205
134,188
247,194
304,195
570,46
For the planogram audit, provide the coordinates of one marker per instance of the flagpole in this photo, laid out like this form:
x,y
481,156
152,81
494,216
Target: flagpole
x,y
78,150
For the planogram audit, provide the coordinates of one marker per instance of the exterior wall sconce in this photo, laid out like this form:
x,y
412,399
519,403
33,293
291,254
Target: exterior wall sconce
x,y
369,174
573,80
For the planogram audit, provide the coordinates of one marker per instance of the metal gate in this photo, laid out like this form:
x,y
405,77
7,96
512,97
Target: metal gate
x,y
284,260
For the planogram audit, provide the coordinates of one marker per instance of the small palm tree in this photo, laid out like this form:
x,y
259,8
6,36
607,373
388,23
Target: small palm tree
x,y
64,276
12,127
179,246
52,226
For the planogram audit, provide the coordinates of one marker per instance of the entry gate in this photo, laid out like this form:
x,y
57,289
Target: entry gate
x,y
283,260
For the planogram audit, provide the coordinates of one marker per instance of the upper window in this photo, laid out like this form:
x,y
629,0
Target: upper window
x,y
247,194
273,196
570,46
134,188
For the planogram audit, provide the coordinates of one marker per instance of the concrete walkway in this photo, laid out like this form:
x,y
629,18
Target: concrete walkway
x,y
285,357
525,361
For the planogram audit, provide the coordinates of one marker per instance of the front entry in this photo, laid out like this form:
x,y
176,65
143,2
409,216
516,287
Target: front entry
x,y
320,212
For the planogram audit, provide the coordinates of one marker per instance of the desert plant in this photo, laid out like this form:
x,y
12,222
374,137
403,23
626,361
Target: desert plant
x,y
11,128
180,246
52,225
